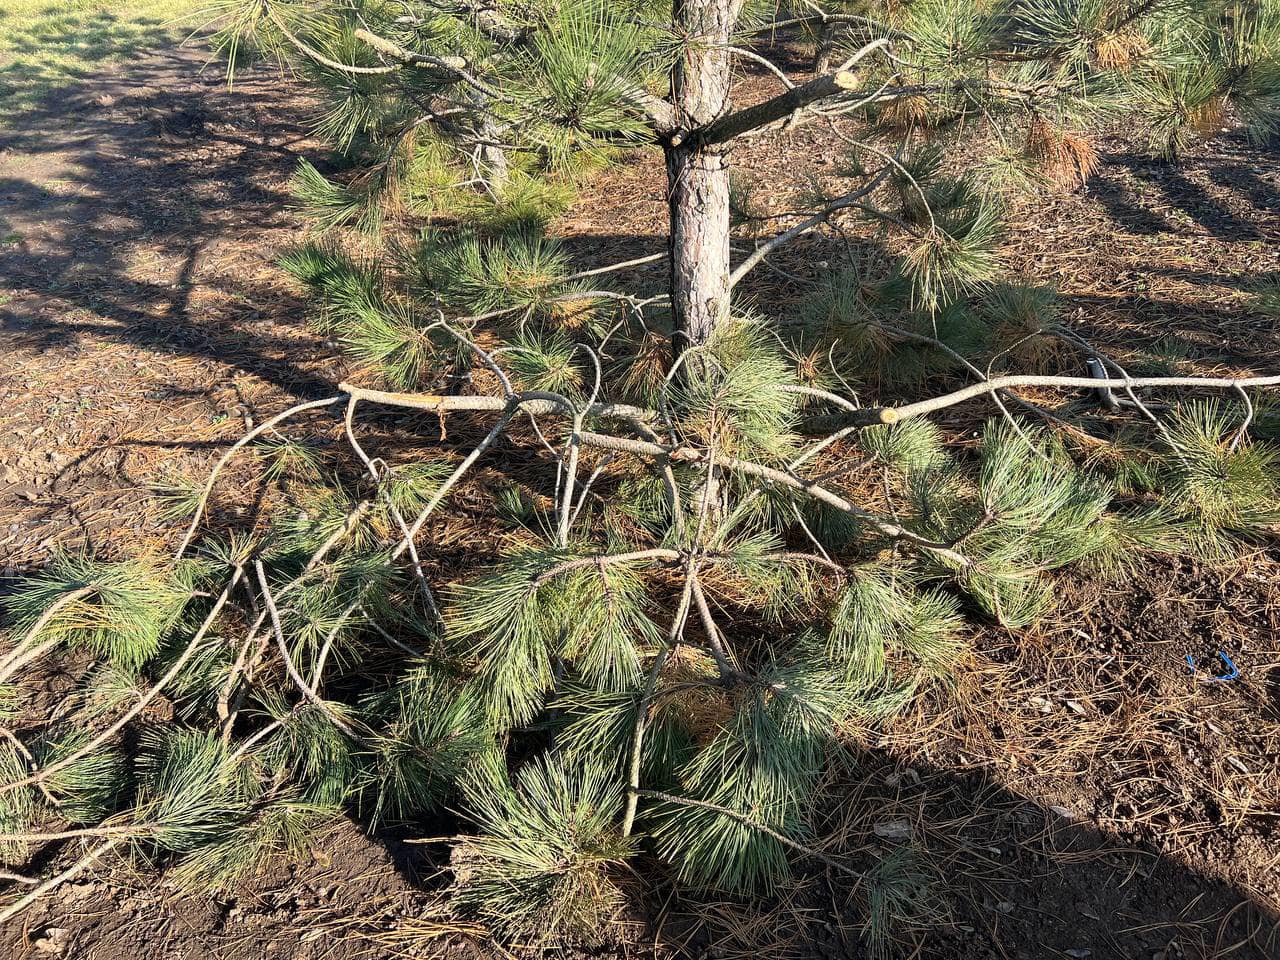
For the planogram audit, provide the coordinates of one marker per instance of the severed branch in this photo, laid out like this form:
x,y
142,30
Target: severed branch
x,y
784,105
777,108
956,397
307,691
315,54
663,117
546,402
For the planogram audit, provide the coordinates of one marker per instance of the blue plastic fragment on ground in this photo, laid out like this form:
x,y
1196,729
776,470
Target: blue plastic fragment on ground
x,y
1232,670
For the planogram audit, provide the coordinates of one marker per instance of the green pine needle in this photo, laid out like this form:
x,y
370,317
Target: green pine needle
x,y
124,616
544,863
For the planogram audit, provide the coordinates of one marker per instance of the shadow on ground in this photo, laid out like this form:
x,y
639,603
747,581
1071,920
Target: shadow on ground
x,y
1224,193
959,868
141,315
122,196
44,54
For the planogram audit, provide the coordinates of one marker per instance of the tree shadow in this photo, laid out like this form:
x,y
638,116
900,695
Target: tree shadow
x,y
124,201
46,52
1005,876
1141,193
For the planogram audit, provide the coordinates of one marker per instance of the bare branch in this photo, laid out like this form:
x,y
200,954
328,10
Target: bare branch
x,y
785,104
222,462
54,882
283,646
777,108
456,67
614,267
894,414
819,218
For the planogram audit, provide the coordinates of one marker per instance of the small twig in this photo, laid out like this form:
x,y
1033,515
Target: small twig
x,y
636,755
54,882
154,691
15,659
32,763
222,462
283,646
817,219
715,643
1243,431
378,478
586,487
614,267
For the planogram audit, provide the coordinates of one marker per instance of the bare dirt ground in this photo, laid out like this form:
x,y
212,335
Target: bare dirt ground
x,y
143,320
1077,793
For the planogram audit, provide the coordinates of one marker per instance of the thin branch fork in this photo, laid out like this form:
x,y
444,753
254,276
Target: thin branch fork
x,y
22,652
816,220
307,691
923,407
54,882
262,428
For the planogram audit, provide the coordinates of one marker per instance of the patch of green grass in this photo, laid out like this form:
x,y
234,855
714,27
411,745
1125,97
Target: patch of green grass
x,y
48,44
1265,298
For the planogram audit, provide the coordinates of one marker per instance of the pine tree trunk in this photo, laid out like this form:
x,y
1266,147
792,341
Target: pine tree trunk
x,y
698,175
497,171
493,158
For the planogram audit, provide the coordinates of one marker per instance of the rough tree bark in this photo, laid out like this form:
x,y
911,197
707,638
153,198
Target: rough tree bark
x,y
825,48
698,172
